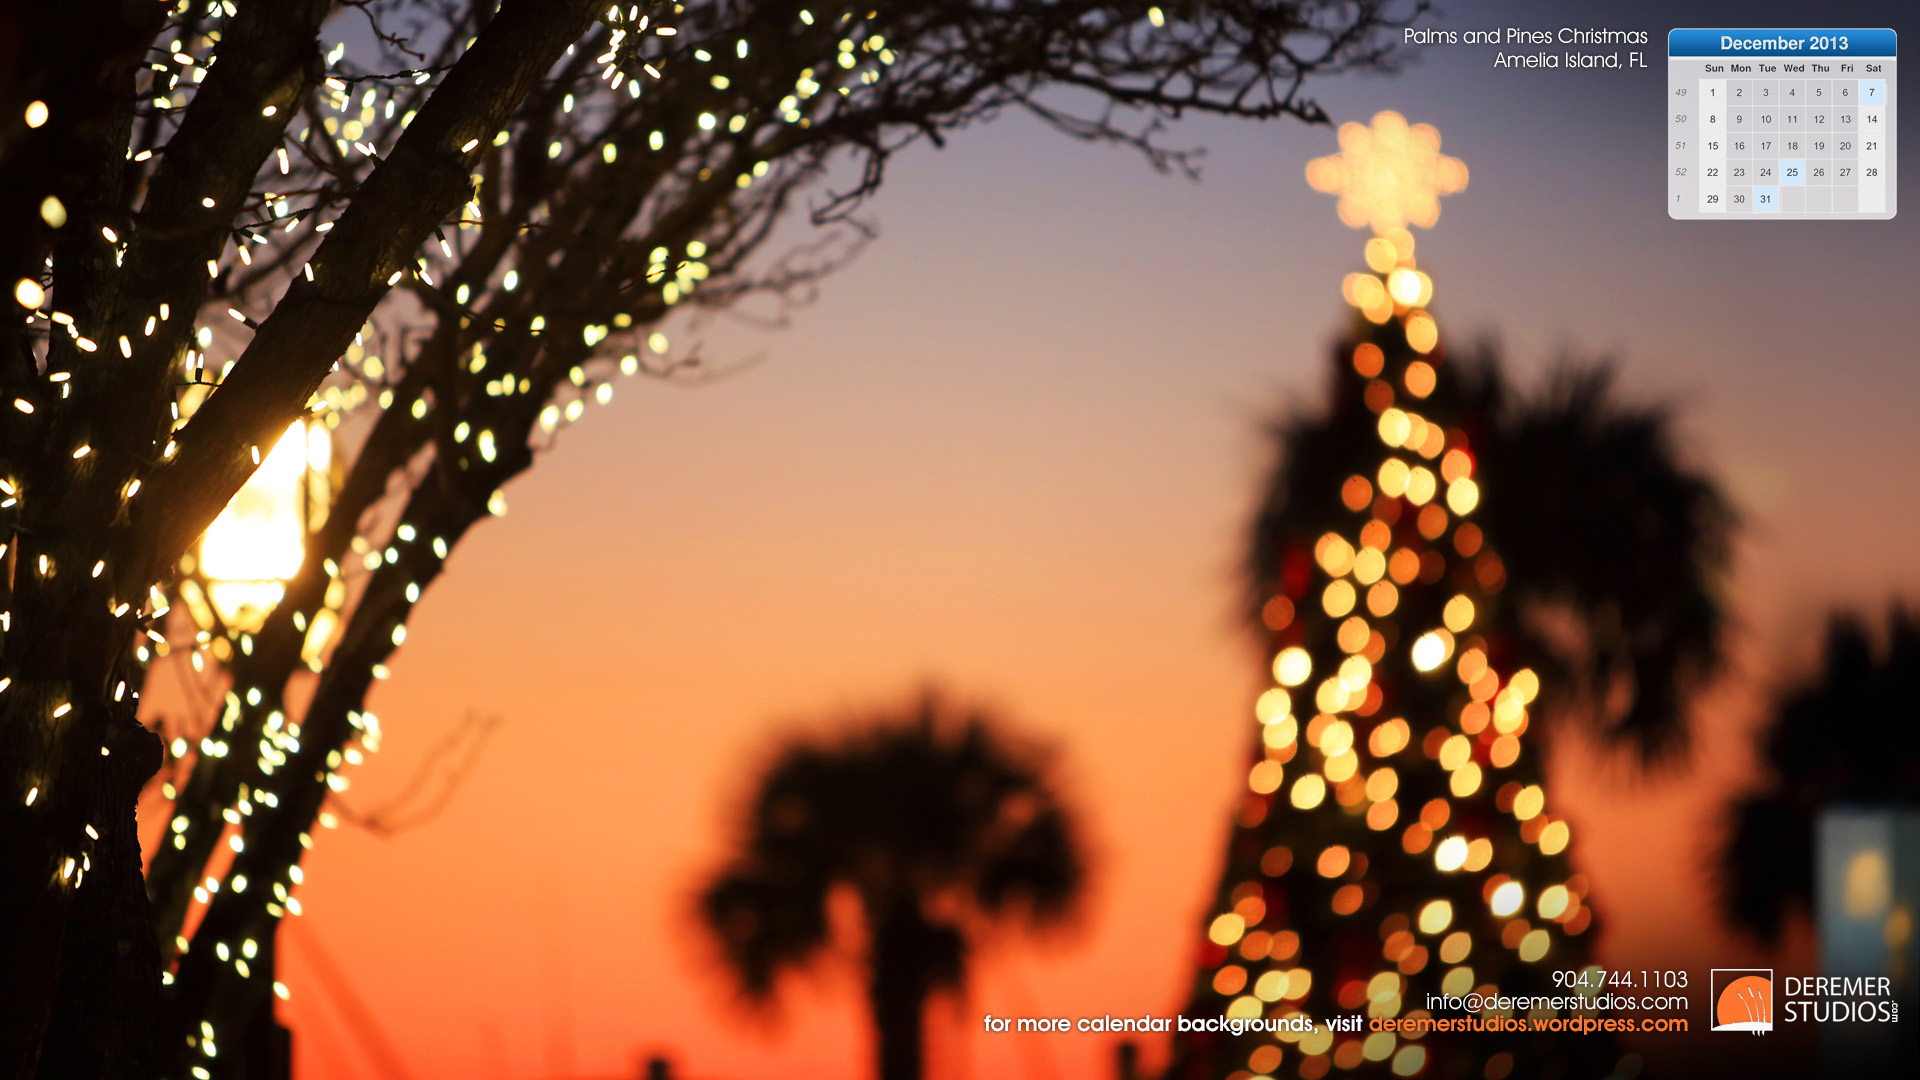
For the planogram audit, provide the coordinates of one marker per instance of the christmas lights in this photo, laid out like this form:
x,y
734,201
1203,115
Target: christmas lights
x,y
1394,842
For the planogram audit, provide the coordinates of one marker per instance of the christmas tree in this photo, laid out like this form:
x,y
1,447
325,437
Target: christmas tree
x,y
1396,842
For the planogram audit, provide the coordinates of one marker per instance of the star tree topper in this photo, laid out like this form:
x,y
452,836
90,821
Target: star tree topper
x,y
1388,175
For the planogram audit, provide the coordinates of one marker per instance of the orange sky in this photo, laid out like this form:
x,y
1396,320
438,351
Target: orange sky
x,y
1011,450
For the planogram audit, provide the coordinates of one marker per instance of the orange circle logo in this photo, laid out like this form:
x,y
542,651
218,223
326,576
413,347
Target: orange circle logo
x,y
1745,1004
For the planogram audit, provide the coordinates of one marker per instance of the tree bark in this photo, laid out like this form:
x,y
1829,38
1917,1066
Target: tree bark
x,y
79,969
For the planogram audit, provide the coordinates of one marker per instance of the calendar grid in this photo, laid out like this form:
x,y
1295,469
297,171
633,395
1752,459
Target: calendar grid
x,y
1781,124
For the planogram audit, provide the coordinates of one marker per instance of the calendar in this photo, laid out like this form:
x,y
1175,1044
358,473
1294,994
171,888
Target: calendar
x,y
1781,124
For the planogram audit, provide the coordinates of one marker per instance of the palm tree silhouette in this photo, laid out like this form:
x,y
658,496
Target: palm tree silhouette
x,y
940,826
1849,736
1615,550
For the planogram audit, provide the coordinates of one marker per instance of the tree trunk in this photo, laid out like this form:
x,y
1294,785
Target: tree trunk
x,y
911,957
79,969
898,991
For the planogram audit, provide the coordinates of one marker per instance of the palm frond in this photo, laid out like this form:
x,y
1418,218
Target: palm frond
x,y
929,812
1615,548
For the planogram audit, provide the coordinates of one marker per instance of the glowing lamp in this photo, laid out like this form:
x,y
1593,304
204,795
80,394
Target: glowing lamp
x,y
257,543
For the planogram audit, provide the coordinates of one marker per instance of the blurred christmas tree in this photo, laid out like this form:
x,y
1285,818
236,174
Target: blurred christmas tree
x,y
1396,840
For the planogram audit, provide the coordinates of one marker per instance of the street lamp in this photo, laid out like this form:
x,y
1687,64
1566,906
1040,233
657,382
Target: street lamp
x,y
229,584
256,545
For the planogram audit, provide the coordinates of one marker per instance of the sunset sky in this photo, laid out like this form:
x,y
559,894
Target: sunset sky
x,y
1011,450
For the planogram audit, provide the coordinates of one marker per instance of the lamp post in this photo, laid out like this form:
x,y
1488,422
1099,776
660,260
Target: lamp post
x,y
249,553
229,584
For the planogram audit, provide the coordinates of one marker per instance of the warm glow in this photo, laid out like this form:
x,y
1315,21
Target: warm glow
x,y
1394,429
1507,899
1356,493
1382,256
1553,838
1462,496
1229,979
1382,784
1280,733
1422,334
1473,664
1420,485
1382,599
1389,738
1365,292
1868,888
1504,752
1299,983
1529,802
1292,666
1420,378
1383,987
1458,614
1265,777
257,542
1334,554
1369,566
1226,929
1338,598
1331,696
1308,791
1405,287
1336,738
1394,475
1334,861
1524,685
1435,917
1389,175
1431,649
1403,566
1272,705
1368,360
1465,780
1356,672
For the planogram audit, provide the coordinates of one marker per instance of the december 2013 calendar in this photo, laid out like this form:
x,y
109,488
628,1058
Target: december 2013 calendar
x,y
1781,124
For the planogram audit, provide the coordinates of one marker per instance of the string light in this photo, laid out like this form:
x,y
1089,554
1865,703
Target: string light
x,y
1386,609
726,154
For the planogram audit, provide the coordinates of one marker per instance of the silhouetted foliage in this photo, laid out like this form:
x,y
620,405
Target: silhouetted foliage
x,y
1615,548
1339,849
1850,736
452,245
937,823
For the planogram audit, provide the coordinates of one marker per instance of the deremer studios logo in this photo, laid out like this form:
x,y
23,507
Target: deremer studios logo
x,y
1743,1000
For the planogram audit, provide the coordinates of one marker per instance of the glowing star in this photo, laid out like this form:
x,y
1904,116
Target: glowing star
x,y
1389,175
